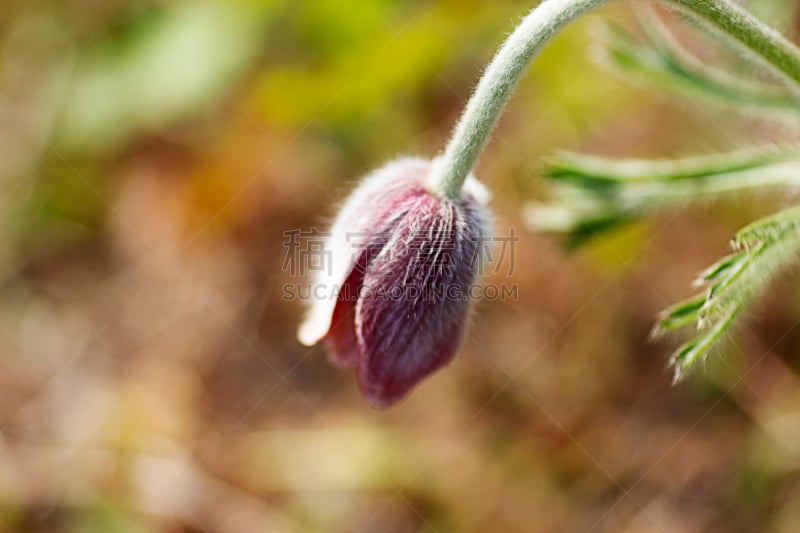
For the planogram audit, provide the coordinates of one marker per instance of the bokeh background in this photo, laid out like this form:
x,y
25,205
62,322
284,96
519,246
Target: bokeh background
x,y
154,153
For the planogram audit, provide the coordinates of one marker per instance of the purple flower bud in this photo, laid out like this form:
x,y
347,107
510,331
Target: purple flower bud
x,y
394,304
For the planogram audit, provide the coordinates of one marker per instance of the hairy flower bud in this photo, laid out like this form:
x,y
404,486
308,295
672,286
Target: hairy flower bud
x,y
394,304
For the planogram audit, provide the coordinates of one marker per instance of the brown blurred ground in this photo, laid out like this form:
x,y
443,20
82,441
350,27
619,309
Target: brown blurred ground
x,y
152,155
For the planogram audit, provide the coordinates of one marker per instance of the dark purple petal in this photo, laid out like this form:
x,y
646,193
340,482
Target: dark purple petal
x,y
413,309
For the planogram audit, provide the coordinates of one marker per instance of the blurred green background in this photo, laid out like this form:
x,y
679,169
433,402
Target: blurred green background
x,y
152,155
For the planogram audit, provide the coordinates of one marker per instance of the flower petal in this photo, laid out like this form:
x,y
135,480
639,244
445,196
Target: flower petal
x,y
341,337
412,312
371,210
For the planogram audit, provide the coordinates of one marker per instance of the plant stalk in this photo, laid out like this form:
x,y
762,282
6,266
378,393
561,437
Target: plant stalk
x,y
538,27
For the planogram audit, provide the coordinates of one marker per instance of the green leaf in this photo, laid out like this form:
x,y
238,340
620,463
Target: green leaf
x,y
769,245
591,194
722,267
679,315
582,167
698,348
769,228
659,60
735,270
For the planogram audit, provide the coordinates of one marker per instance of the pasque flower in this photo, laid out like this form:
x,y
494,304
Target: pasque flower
x,y
395,301
406,246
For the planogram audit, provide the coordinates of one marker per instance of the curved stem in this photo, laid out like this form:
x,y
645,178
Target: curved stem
x,y
537,28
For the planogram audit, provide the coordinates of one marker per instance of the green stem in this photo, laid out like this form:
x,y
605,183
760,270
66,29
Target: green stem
x,y
538,27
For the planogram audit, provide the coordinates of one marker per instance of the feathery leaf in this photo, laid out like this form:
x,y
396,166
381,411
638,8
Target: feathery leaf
x,y
766,246
661,61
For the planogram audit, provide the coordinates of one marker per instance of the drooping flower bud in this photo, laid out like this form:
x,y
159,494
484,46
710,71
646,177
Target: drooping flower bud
x,y
395,301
